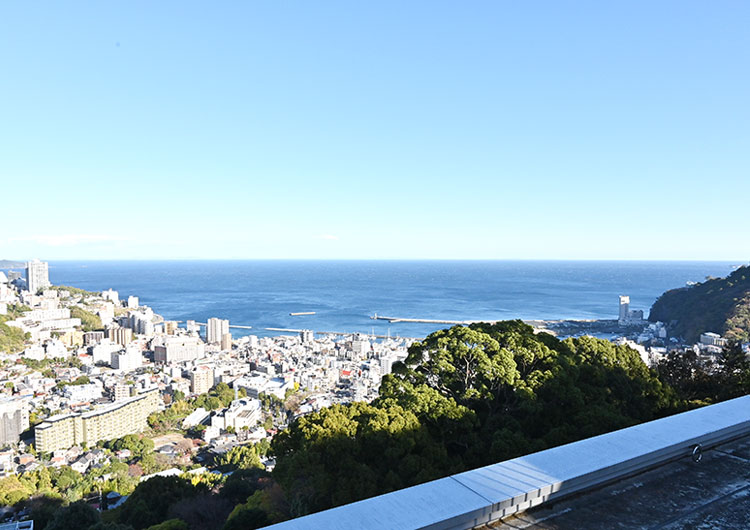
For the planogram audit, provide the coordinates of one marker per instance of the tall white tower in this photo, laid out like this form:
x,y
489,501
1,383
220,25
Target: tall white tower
x,y
215,329
37,275
624,309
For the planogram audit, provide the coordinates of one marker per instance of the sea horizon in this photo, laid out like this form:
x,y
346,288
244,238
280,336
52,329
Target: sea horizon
x,y
345,294
575,260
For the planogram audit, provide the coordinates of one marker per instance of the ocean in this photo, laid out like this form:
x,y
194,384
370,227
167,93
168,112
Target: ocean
x,y
344,294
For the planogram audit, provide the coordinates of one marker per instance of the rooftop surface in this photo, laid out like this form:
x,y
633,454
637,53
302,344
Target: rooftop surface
x,y
495,492
711,494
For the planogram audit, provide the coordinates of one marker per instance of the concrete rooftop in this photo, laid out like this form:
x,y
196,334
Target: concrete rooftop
x,y
711,494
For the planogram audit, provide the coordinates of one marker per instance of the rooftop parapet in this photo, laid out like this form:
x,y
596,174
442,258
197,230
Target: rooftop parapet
x,y
486,494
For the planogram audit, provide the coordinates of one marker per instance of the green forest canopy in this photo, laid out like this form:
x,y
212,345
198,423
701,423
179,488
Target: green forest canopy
x,y
11,338
464,398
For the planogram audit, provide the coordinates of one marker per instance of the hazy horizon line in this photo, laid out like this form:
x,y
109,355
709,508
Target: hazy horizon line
x,y
673,260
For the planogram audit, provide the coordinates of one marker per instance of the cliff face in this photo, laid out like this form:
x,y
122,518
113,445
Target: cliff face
x,y
721,305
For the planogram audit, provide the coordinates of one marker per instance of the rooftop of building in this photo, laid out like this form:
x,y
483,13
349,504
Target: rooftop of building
x,y
97,411
711,494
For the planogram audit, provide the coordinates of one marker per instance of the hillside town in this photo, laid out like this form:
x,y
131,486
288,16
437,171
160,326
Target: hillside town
x,y
97,386
97,367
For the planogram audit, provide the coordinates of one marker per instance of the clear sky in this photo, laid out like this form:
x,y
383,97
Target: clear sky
x,y
317,129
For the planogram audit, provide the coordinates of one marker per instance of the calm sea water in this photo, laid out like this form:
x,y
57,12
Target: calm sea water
x,y
344,294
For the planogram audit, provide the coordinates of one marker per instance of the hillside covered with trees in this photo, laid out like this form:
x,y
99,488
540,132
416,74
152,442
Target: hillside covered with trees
x,y
464,398
12,339
720,305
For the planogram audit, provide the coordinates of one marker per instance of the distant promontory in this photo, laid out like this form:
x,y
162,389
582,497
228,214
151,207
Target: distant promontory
x,y
720,305
11,264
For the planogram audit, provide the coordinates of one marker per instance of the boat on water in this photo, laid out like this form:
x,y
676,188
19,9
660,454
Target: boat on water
x,y
301,313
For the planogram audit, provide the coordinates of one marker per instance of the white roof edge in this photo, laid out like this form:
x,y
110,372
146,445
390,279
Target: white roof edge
x,y
475,497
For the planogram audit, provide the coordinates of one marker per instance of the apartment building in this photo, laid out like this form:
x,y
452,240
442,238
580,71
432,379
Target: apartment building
x,y
104,423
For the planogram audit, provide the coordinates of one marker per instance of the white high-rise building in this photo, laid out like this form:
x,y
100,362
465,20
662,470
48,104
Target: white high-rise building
x,y
37,275
624,308
133,302
112,296
361,346
627,316
215,329
306,336
127,360
201,379
386,364
14,419
102,352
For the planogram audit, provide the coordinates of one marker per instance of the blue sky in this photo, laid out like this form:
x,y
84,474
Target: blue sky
x,y
552,130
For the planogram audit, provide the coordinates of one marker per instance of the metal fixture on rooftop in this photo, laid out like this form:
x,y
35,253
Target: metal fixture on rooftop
x,y
697,454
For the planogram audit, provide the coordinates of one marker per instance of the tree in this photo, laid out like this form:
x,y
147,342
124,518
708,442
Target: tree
x,y
265,506
74,517
101,525
12,339
247,520
149,503
12,490
202,512
89,321
734,371
346,453
224,393
171,417
138,445
462,363
242,483
240,457
42,508
170,524
690,377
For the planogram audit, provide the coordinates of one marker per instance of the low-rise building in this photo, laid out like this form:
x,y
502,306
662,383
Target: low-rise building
x,y
242,413
712,339
120,392
175,349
